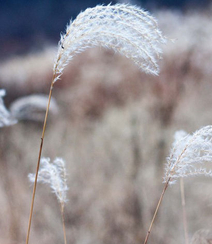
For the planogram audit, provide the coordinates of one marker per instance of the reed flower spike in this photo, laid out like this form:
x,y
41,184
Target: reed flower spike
x,y
189,155
32,107
126,29
53,174
5,116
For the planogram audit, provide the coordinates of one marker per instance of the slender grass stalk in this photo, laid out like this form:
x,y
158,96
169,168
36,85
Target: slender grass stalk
x,y
63,222
185,222
38,162
156,211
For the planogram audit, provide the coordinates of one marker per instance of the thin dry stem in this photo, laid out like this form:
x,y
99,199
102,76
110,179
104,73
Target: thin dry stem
x,y
156,210
63,221
38,163
185,225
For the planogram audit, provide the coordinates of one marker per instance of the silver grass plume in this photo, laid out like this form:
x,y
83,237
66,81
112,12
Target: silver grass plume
x,y
125,29
32,107
202,237
189,155
6,119
53,174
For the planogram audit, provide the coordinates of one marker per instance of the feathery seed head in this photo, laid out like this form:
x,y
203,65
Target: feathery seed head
x,y
32,107
189,154
125,29
202,237
5,117
55,175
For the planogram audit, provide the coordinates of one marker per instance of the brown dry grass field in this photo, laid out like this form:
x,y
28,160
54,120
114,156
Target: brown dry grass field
x,y
114,129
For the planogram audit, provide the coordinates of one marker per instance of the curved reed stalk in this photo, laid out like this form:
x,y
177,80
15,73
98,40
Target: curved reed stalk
x,y
125,29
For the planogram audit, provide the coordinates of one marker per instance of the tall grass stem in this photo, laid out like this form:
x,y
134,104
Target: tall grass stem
x,y
156,210
38,163
63,221
185,225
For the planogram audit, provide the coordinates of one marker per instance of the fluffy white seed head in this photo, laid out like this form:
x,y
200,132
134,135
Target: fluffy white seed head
x,y
189,154
32,107
125,29
53,174
5,116
202,236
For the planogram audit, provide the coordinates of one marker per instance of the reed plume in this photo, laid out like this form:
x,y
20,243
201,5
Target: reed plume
x,y
54,174
6,119
188,156
202,237
32,107
125,29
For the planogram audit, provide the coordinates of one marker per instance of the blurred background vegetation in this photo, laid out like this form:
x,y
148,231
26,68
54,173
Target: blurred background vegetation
x,y
113,126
